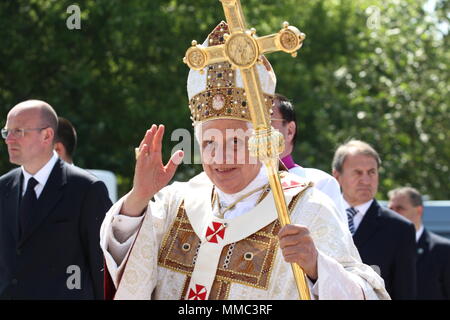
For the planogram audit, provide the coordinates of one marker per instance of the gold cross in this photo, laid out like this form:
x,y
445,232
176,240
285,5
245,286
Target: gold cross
x,y
242,49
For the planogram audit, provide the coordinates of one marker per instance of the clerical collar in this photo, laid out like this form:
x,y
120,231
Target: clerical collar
x,y
226,199
289,162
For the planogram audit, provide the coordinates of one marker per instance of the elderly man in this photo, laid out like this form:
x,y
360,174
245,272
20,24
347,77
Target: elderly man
x,y
50,215
433,252
384,239
218,236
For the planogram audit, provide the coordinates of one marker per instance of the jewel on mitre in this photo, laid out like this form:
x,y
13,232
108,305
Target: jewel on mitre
x,y
218,102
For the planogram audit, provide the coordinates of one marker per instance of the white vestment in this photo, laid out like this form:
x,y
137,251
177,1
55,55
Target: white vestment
x,y
180,250
325,183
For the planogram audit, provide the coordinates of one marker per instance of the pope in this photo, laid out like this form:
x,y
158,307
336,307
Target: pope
x,y
217,236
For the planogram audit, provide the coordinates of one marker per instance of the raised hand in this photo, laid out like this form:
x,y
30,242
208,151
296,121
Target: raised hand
x,y
150,174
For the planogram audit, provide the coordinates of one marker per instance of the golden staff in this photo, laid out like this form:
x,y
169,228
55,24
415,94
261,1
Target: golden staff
x,y
266,143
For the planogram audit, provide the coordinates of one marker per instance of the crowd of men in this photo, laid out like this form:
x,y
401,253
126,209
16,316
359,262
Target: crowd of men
x,y
414,262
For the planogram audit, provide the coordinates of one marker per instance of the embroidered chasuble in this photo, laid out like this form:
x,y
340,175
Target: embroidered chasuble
x,y
181,250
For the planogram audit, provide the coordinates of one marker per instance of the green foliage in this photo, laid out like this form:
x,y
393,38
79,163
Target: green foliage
x,y
386,83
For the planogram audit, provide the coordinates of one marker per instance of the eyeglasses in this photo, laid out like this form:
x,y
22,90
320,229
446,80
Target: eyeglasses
x,y
18,133
277,119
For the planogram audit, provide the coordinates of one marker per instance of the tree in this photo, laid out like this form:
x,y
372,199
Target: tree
x,y
386,82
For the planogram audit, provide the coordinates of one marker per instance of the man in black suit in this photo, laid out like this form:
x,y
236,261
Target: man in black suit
x,y
50,215
433,251
385,240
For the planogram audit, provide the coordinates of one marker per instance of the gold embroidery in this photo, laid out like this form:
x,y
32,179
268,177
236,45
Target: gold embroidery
x,y
171,254
256,272
234,268
221,99
223,103
298,196
185,287
220,290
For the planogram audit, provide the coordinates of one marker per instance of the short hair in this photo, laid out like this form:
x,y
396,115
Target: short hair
x,y
287,111
67,135
353,147
415,198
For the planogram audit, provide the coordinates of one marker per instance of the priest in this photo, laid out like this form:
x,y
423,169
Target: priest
x,y
217,236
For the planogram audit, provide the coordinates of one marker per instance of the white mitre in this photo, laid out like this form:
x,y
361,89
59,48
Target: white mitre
x,y
217,91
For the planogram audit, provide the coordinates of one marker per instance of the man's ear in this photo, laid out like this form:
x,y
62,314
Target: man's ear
x,y
49,135
336,174
60,150
420,211
292,127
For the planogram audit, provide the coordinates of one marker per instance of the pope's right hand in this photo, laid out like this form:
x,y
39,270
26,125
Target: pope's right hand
x,y
150,175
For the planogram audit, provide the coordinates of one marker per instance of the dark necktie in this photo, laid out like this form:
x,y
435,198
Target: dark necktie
x,y
351,212
27,205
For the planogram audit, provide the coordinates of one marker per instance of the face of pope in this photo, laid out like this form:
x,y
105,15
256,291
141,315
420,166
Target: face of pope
x,y
225,155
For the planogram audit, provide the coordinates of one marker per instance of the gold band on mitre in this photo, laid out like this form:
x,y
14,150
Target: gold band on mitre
x,y
223,103
221,95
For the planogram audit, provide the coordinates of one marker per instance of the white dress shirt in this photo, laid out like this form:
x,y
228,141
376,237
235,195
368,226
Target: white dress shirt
x,y
419,233
41,176
361,212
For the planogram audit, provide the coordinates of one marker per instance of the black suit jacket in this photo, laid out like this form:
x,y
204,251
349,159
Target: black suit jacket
x,y
387,240
61,242
433,267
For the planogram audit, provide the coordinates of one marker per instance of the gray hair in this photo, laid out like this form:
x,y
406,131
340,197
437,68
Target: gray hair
x,y
198,129
353,147
415,198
